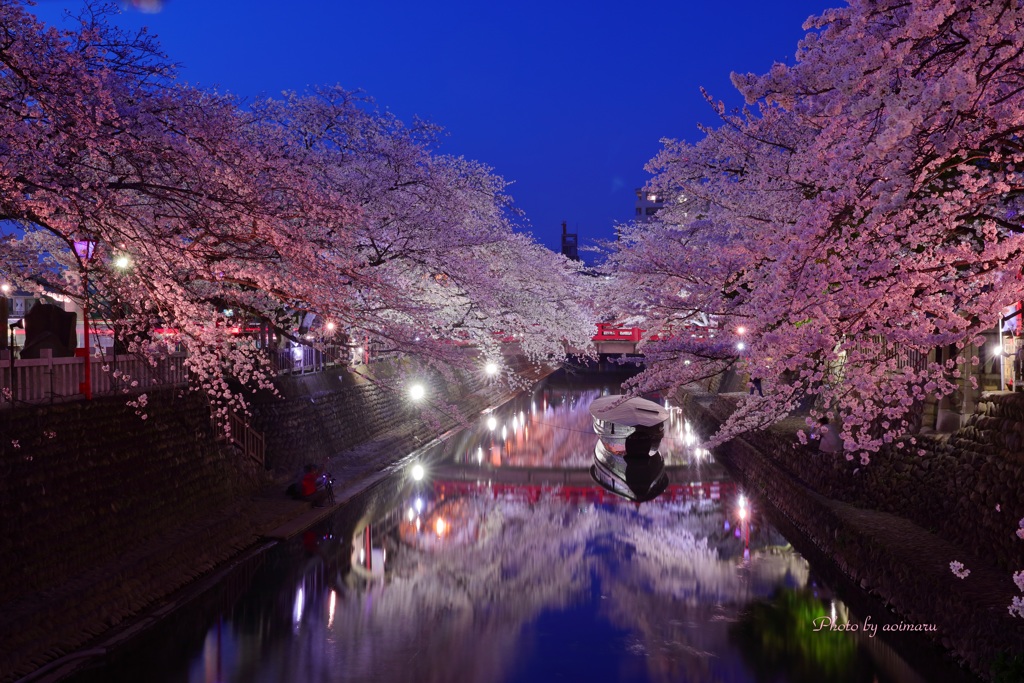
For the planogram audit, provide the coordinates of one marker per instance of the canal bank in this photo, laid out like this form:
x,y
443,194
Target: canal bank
x,y
903,564
109,516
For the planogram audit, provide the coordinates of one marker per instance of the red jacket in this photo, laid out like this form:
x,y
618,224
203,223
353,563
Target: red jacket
x,y
309,483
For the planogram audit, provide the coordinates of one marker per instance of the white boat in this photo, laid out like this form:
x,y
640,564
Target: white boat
x,y
626,458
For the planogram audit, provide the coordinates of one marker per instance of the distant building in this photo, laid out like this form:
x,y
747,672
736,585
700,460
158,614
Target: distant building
x,y
570,244
647,205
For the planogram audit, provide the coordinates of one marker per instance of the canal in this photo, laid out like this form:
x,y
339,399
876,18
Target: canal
x,y
505,562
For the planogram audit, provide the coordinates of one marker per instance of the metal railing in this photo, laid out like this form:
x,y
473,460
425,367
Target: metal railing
x,y
249,441
301,360
903,355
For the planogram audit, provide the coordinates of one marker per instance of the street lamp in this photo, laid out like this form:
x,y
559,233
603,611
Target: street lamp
x,y
5,313
84,249
997,353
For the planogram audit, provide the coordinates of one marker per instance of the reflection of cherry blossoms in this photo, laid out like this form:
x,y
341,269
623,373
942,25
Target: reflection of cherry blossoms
x,y
462,597
676,594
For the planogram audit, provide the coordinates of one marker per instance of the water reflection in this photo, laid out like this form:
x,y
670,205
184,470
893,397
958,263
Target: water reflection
x,y
506,562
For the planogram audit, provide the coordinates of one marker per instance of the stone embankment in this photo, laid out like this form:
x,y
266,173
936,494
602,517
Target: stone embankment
x,y
107,514
892,527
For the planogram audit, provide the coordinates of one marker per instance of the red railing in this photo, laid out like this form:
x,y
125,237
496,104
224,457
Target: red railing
x,y
612,332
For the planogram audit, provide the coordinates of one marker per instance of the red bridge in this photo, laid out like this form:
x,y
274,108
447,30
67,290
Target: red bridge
x,y
612,338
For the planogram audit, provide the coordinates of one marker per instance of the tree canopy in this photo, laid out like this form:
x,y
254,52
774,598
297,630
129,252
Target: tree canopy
x,y
862,210
313,206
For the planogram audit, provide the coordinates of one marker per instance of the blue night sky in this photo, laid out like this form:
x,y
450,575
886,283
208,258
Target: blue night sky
x,y
568,100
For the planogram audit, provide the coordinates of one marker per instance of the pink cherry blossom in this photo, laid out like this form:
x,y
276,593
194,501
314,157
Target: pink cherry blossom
x,y
863,211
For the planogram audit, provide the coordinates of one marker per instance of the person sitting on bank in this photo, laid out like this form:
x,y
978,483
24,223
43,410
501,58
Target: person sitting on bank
x,y
308,487
829,441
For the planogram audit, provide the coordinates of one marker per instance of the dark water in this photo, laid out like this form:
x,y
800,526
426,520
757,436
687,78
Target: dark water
x,y
507,563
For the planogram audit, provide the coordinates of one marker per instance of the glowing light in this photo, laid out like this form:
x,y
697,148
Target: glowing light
x,y
480,455
418,472
492,424
330,609
411,514
743,507
741,330
122,262
418,523
418,504
300,604
741,346
6,289
491,369
440,527
330,327
997,350
504,433
417,392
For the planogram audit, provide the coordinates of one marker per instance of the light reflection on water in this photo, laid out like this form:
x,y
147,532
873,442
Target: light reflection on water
x,y
552,428
507,563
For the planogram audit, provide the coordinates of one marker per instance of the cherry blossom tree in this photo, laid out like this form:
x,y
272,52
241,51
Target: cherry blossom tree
x,y
314,205
861,212
436,254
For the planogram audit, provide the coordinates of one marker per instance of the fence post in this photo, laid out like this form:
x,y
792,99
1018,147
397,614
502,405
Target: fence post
x,y
8,355
47,355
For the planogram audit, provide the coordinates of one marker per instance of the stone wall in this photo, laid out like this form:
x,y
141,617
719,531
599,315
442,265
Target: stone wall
x,y
967,486
316,417
82,481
